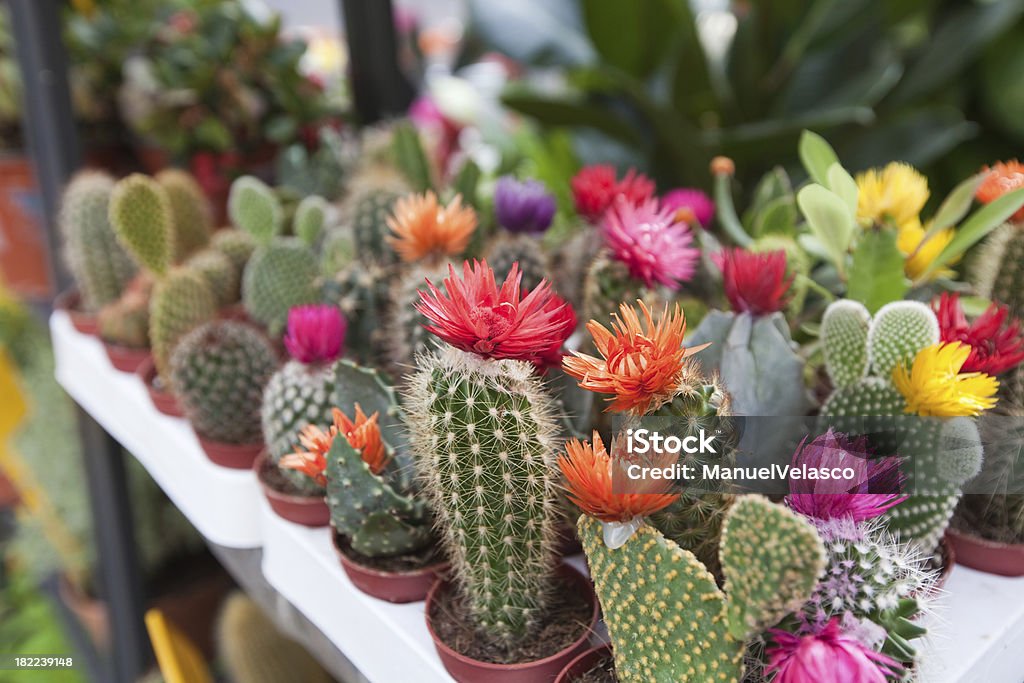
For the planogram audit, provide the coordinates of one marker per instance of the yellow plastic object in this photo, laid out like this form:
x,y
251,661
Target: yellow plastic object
x,y
12,407
179,659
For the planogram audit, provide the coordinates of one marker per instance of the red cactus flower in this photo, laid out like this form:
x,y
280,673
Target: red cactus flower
x,y
595,188
995,338
316,333
589,473
474,315
1002,178
755,282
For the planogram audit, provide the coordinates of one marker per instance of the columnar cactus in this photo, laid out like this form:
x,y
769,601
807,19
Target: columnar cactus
x,y
507,248
193,219
218,371
483,432
405,335
771,559
100,265
996,272
301,392
181,302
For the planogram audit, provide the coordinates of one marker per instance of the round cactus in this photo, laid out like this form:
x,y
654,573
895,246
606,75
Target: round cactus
x,y
898,331
220,275
100,265
181,302
508,248
279,276
844,338
218,371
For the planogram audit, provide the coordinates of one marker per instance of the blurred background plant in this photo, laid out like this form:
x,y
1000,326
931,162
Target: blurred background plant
x,y
666,85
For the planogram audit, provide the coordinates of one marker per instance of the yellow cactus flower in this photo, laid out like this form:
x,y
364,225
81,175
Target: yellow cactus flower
x,y
896,193
934,386
919,256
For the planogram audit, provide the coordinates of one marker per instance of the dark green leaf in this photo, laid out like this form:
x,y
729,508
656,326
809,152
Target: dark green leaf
x,y
630,36
876,274
981,223
410,157
567,111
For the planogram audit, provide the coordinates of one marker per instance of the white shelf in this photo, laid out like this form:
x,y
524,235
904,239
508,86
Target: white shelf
x,y
977,635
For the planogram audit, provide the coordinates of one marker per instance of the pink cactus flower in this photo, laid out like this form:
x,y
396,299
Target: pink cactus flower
x,y
829,656
690,205
651,242
316,333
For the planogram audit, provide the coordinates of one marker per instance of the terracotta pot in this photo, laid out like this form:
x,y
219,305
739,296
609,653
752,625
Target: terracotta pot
x,y
125,358
948,554
305,510
468,670
398,587
237,456
164,401
9,497
584,663
992,557
70,300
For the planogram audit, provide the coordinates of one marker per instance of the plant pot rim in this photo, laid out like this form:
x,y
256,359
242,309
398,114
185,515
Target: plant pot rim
x,y
164,401
222,452
448,651
271,492
69,301
986,555
433,568
563,676
126,358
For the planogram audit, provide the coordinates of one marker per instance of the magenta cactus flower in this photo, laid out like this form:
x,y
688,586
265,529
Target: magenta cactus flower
x,y
690,205
828,655
316,333
655,246
523,206
875,487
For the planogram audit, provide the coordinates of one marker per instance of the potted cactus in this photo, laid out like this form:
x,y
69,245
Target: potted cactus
x,y
483,432
218,371
123,326
300,395
99,264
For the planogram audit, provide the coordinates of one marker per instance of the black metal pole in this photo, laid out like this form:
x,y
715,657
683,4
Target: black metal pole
x,y
53,143
378,86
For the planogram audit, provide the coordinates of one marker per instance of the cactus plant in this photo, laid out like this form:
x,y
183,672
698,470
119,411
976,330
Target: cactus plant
x,y
508,248
140,212
181,302
99,264
404,330
237,245
218,371
220,274
844,335
125,322
996,270
193,219
898,331
483,432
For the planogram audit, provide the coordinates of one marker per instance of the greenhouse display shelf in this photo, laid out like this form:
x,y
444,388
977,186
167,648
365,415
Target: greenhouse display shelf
x,y
220,503
978,630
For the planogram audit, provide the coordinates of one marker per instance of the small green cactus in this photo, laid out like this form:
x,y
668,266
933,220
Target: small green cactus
x,y
125,322
237,245
253,207
844,338
278,277
405,335
218,371
100,265
181,301
220,274
361,290
483,432
898,331
310,219
507,248
370,212
140,212
193,219
996,271
667,618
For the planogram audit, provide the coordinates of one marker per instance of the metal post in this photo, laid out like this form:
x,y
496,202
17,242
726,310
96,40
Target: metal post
x,y
53,142
378,86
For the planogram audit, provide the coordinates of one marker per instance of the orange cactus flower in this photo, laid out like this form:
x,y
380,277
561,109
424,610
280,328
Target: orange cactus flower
x,y
589,470
363,434
1005,176
423,228
641,365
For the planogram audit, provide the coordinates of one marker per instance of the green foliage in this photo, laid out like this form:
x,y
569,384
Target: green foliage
x,y
190,209
844,338
980,224
830,221
181,302
253,207
898,331
218,371
876,272
410,157
99,264
278,277
140,213
483,433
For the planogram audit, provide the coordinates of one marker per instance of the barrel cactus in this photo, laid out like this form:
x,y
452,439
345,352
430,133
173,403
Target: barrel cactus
x,y
218,371
99,264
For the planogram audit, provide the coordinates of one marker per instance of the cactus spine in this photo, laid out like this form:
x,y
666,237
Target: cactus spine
x,y
898,331
218,371
483,434
404,332
100,266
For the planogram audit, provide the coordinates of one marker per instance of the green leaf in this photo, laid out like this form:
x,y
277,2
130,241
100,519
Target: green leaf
x,y
410,157
981,223
876,274
829,219
778,217
817,156
955,206
570,111
630,36
465,184
842,183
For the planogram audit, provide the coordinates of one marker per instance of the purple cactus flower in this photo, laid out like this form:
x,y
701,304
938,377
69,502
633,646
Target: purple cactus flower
x,y
687,199
523,206
316,333
875,487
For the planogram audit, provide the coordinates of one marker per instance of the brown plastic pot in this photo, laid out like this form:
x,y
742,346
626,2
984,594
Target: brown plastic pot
x,y
949,558
584,663
71,301
397,587
237,456
992,557
164,401
468,670
309,511
125,358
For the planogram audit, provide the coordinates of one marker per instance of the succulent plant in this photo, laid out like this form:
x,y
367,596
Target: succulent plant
x,y
483,433
100,265
193,216
996,270
898,331
771,559
404,331
220,274
237,245
507,248
181,301
218,371
125,322
301,392
844,338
